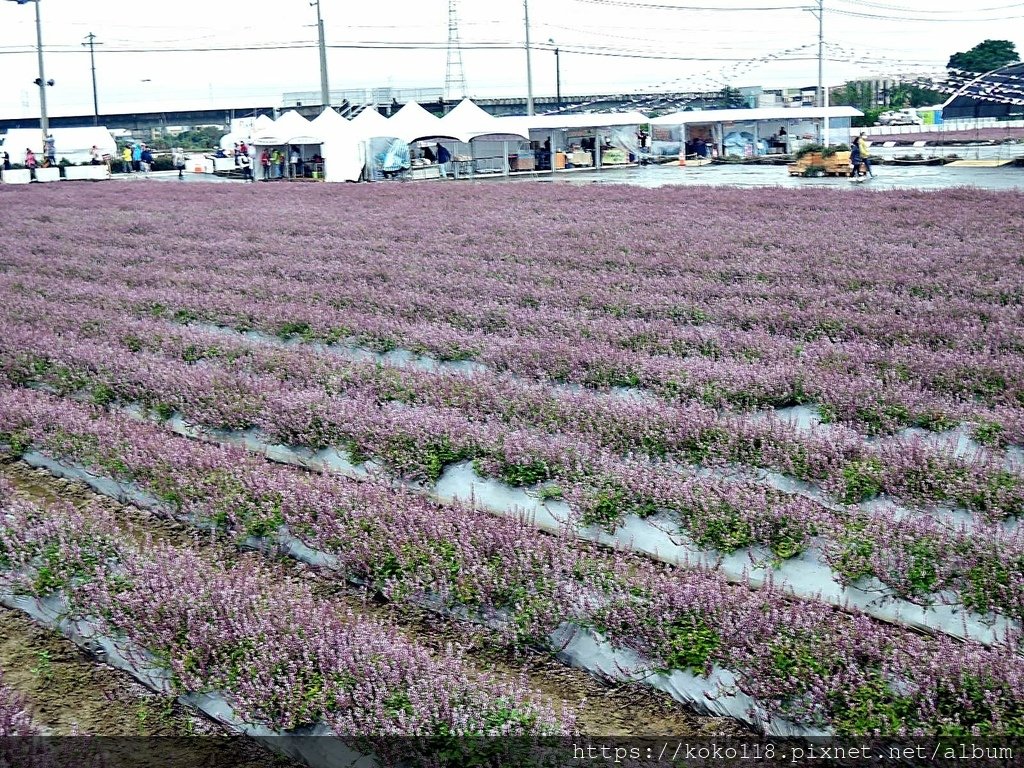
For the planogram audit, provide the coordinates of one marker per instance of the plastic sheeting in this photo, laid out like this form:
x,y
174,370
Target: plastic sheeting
x,y
51,612
579,647
387,157
806,576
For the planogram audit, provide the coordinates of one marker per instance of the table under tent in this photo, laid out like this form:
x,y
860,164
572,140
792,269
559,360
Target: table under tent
x,y
749,132
290,134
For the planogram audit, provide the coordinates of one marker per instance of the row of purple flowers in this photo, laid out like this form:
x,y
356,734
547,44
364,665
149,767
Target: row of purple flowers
x,y
802,660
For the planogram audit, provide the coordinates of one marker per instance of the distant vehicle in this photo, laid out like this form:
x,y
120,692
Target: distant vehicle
x,y
900,117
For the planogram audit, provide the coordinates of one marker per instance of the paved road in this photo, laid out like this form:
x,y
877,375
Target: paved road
x,y
887,177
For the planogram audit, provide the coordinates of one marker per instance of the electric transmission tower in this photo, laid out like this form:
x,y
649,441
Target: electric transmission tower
x,y
454,77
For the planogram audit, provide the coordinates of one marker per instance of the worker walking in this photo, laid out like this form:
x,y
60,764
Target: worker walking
x,y
862,147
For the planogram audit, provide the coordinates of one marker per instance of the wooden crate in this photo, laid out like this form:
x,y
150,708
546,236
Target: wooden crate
x,y
834,165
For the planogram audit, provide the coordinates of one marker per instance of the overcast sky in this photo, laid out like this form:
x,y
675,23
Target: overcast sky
x,y
156,55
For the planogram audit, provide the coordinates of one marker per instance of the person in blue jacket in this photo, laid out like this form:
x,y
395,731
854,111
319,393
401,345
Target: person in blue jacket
x,y
443,158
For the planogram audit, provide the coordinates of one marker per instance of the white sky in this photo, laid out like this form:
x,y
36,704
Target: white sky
x,y
136,70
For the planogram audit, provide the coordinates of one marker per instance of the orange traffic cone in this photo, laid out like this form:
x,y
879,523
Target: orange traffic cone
x,y
682,158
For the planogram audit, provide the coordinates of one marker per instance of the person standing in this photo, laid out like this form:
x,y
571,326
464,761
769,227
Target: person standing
x,y
265,163
50,151
30,163
855,160
178,156
7,161
246,163
126,159
95,156
443,158
146,159
137,157
862,146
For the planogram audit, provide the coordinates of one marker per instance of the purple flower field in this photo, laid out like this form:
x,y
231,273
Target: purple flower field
x,y
632,354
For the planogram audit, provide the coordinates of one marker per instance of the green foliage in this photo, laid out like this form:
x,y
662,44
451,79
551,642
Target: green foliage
x,y
550,493
1001,493
936,421
102,394
923,572
872,707
909,95
290,328
531,473
706,444
862,479
688,315
807,149
787,540
985,56
724,529
18,441
988,584
855,551
691,643
881,418
164,411
989,433
605,508
972,703
798,658
197,139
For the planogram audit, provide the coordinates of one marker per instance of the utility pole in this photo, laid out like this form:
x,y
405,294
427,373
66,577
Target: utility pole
x,y
91,38
558,78
44,121
822,89
529,73
325,92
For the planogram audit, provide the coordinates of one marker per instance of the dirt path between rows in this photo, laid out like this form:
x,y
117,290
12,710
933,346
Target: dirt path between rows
x,y
602,709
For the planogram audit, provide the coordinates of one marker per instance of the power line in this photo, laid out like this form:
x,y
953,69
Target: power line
x,y
660,7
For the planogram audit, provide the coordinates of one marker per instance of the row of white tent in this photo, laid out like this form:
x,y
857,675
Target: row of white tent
x,y
351,147
344,144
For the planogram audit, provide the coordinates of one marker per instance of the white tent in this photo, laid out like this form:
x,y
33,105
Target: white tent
x,y
295,129
73,144
344,150
766,113
746,131
370,123
385,152
413,122
466,121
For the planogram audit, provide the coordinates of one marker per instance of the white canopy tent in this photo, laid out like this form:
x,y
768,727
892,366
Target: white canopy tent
x,y
370,123
289,130
466,121
344,150
385,153
412,122
745,131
